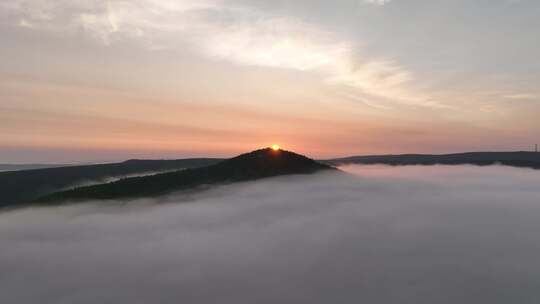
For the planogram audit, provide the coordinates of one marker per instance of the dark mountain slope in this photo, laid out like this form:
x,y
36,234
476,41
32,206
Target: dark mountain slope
x,y
515,159
251,166
22,186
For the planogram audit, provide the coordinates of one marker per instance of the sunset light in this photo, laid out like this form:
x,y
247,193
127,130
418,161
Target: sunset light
x,y
410,133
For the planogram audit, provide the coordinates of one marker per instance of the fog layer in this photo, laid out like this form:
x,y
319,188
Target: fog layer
x,y
379,234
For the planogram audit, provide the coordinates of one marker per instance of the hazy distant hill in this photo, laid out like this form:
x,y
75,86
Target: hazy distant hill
x,y
23,186
515,159
10,167
250,166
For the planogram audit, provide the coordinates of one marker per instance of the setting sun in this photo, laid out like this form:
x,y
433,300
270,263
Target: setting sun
x,y
275,147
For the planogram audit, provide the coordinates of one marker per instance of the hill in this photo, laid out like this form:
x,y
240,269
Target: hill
x,y
19,187
12,167
250,166
515,159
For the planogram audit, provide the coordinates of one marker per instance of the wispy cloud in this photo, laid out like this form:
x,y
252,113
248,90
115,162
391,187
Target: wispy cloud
x,y
521,96
239,35
276,42
292,44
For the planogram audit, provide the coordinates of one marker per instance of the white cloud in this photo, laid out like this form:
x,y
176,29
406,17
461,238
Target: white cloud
x,y
377,2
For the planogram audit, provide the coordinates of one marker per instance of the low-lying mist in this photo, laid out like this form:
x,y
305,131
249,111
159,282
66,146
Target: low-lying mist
x,y
439,234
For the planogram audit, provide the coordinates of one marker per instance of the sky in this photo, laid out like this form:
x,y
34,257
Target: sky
x,y
88,81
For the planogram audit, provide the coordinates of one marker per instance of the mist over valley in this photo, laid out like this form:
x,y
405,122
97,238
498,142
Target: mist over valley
x,y
379,234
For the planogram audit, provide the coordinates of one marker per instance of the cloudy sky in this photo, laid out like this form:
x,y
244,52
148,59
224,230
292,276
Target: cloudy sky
x,y
101,80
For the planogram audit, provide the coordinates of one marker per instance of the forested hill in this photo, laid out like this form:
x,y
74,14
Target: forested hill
x,y
22,186
246,167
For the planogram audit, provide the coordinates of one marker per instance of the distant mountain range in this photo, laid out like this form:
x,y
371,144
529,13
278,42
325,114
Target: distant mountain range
x,y
108,181
514,159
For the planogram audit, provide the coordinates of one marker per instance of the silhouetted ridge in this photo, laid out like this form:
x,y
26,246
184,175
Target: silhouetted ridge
x,y
19,187
514,159
267,162
250,166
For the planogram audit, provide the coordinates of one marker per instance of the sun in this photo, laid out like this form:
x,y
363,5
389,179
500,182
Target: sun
x,y
276,147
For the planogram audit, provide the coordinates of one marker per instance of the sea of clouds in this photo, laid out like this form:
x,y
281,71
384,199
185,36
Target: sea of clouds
x,y
376,234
